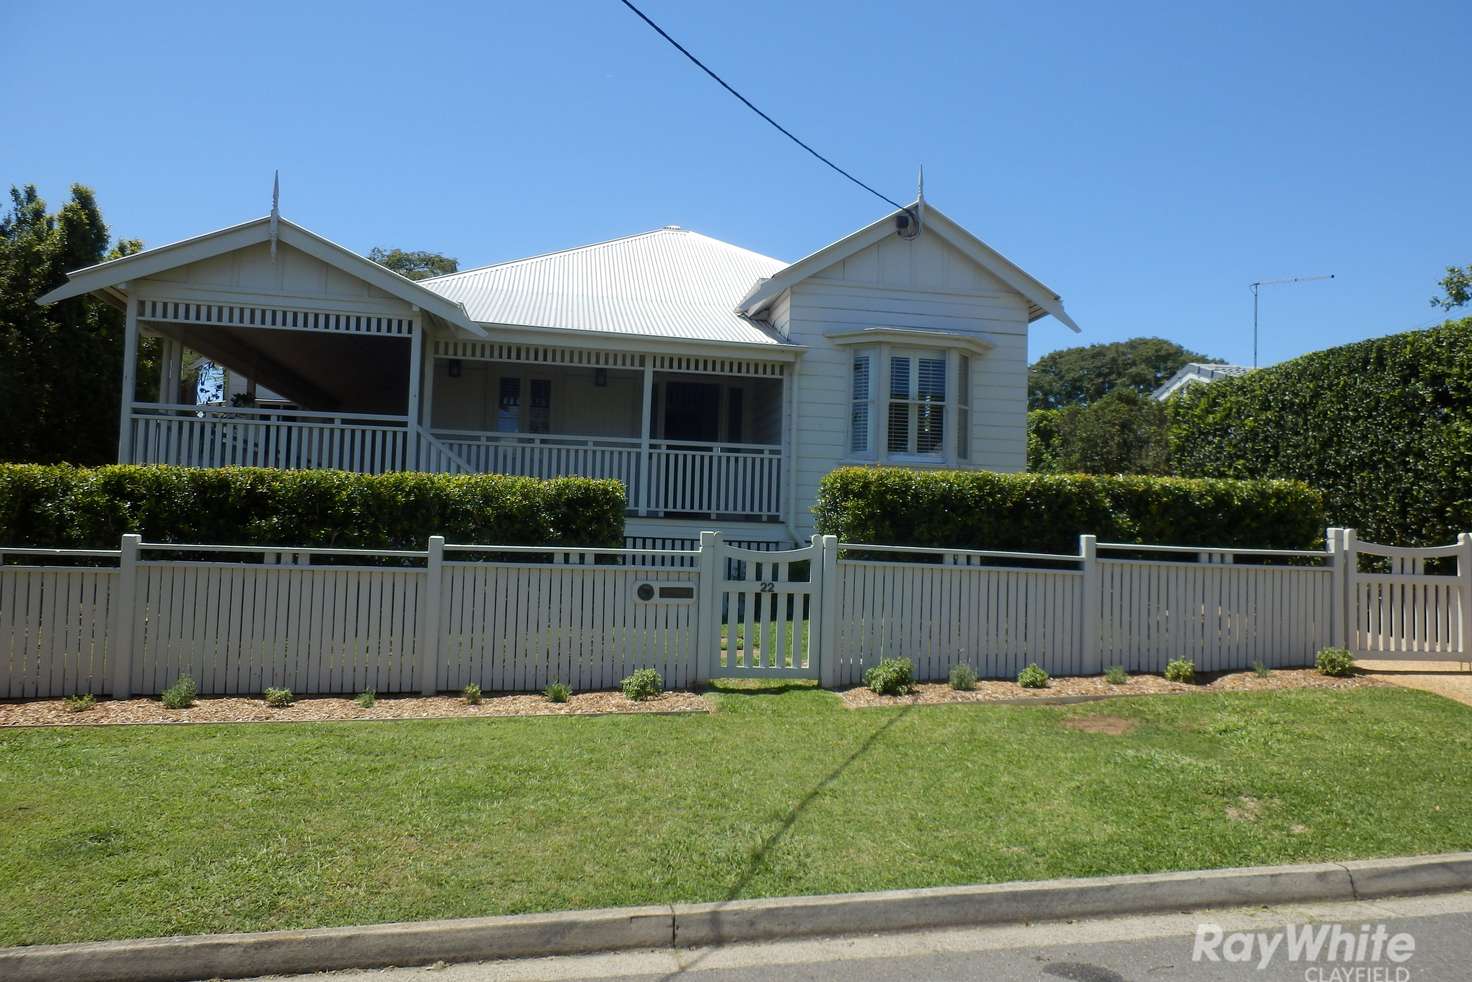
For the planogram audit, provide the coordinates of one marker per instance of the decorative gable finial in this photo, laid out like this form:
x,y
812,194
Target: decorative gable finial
x,y
275,211
920,200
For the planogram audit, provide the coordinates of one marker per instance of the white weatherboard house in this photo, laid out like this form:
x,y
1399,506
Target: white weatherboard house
x,y
719,385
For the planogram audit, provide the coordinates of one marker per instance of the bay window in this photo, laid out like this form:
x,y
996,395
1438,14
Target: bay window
x,y
911,403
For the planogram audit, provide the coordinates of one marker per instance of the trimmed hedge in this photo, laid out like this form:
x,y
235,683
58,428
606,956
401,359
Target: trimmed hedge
x,y
61,505
1382,427
1048,512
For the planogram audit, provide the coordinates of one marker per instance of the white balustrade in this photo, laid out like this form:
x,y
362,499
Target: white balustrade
x,y
217,436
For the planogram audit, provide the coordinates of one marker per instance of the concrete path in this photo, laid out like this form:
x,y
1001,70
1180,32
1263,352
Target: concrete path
x,y
1445,678
1096,950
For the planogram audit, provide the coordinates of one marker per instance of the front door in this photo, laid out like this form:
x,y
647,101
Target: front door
x,y
692,411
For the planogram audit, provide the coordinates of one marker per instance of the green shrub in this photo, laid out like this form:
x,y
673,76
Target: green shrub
x,y
278,698
1382,427
1033,677
367,699
1261,670
1334,661
646,683
557,692
181,694
1116,675
472,694
1180,670
80,703
59,505
891,677
1048,512
963,678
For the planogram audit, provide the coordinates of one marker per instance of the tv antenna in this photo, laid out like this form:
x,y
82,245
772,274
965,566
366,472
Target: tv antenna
x,y
1282,281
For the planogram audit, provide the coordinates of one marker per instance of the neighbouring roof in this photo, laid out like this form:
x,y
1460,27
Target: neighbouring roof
x,y
669,282
1198,372
112,276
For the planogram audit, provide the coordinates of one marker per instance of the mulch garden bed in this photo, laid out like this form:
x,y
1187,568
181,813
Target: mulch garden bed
x,y
242,709
994,690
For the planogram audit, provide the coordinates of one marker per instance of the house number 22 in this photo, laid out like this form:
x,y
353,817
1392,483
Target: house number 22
x,y
768,586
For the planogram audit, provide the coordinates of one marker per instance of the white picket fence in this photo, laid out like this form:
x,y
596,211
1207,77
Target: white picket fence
x,y
514,618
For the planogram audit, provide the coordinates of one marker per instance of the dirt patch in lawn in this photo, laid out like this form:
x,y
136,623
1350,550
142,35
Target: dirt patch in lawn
x,y
1245,810
231,709
1096,686
1112,725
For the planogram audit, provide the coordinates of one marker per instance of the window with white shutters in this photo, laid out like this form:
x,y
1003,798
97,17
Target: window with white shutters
x,y
858,440
917,403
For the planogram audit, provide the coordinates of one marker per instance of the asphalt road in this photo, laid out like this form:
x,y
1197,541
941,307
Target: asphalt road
x,y
1102,950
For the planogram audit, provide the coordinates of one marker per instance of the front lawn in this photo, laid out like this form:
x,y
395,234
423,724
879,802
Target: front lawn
x,y
151,830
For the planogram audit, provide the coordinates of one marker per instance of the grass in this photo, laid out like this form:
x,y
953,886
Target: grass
x,y
153,830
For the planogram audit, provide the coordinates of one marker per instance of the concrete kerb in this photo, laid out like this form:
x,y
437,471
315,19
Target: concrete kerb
x,y
699,925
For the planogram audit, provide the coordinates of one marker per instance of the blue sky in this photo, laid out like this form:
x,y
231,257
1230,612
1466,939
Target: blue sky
x,y
1145,161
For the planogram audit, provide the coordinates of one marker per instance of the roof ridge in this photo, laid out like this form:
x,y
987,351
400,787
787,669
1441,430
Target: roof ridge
x,y
673,229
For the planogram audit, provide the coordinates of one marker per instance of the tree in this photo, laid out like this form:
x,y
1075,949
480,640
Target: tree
x,y
1122,433
1456,288
414,265
60,366
1079,376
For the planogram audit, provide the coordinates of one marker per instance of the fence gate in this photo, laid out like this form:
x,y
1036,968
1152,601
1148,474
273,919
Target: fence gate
x,y
767,611
1398,610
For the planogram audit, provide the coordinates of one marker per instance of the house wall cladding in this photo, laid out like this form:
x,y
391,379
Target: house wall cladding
x,y
924,285
514,618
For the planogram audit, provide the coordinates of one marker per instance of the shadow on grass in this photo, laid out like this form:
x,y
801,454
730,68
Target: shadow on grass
x,y
761,687
759,856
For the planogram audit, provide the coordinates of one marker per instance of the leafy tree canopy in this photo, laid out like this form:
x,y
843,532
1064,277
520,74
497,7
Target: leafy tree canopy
x,y
416,265
1079,376
1456,288
60,366
1122,433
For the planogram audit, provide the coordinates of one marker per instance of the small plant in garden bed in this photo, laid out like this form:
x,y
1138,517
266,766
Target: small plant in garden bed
x,y
963,678
278,698
472,694
646,683
1033,677
181,694
367,699
1116,675
1337,662
1180,670
81,703
557,692
1261,670
891,677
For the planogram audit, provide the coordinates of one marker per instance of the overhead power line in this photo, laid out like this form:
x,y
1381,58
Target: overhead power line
x,y
749,105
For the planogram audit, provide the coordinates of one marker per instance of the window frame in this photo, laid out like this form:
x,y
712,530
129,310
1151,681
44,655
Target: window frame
x,y
954,447
915,403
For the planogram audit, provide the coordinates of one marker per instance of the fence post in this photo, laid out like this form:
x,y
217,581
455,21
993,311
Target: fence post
x,y
1464,581
1334,542
429,628
1349,554
826,617
1088,549
120,651
708,593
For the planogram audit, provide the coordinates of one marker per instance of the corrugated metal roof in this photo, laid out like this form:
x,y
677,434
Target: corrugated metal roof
x,y
1198,372
669,282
